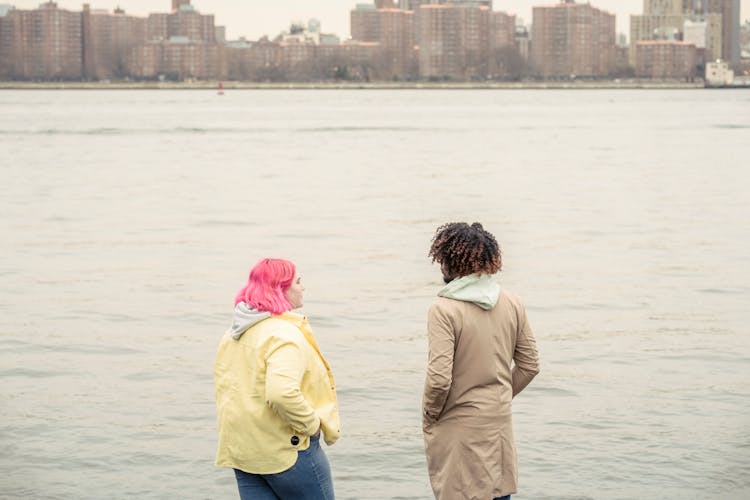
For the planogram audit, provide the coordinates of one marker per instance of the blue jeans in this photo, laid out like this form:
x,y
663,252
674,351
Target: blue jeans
x,y
506,497
308,479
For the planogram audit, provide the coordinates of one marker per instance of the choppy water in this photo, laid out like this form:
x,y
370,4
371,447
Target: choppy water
x,y
129,219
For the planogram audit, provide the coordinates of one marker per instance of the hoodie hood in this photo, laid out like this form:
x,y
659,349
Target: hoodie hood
x,y
479,289
245,317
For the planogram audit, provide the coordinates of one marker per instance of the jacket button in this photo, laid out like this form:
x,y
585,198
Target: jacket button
x,y
295,440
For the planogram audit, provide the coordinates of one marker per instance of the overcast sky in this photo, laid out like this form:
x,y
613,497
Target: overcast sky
x,y
255,18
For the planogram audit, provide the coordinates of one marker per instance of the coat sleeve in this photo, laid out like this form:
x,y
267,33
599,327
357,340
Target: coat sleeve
x,y
285,367
525,355
441,339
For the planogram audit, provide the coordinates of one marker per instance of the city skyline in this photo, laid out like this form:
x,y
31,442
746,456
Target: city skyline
x,y
459,41
243,19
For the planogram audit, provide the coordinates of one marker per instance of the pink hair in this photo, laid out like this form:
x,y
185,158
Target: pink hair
x,y
267,285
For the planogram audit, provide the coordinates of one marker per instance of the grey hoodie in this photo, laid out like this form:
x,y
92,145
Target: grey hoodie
x,y
245,317
480,289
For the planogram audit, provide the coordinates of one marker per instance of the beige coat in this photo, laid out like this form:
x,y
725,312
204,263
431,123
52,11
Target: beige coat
x,y
468,431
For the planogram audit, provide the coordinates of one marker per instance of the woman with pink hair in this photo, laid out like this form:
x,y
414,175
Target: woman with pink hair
x,y
275,394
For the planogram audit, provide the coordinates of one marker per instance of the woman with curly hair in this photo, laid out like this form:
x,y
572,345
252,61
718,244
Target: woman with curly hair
x,y
482,353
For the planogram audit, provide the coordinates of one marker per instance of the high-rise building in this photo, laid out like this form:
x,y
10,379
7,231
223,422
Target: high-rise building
x,y
157,26
193,25
730,12
508,50
683,19
572,39
364,23
396,37
181,44
663,7
44,43
5,45
108,38
393,30
667,7
183,21
454,41
51,43
694,6
745,38
673,27
502,30
678,20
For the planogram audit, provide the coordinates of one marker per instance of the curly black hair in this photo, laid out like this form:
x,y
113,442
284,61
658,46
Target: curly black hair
x,y
462,249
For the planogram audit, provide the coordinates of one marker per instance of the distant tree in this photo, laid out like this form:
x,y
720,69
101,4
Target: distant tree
x,y
271,73
623,71
341,72
240,68
474,65
509,64
120,70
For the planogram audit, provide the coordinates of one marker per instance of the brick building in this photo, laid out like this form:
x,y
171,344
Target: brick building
x,y
107,41
438,39
665,59
178,59
572,39
41,44
49,43
393,29
502,30
179,45
454,41
505,51
679,20
365,23
672,26
361,59
6,53
183,21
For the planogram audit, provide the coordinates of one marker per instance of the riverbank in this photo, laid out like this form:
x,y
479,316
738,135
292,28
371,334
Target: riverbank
x,y
202,85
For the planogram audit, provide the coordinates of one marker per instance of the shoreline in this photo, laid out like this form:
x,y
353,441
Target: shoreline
x,y
213,85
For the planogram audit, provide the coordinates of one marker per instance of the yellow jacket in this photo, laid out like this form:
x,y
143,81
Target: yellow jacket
x,y
274,389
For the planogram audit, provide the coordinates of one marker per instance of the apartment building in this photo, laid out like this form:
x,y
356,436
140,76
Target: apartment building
x,y
502,30
5,48
179,45
665,59
183,21
454,41
572,39
673,27
678,19
41,44
394,30
177,58
108,38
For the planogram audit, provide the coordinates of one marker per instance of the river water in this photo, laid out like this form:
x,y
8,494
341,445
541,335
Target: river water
x,y
131,218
